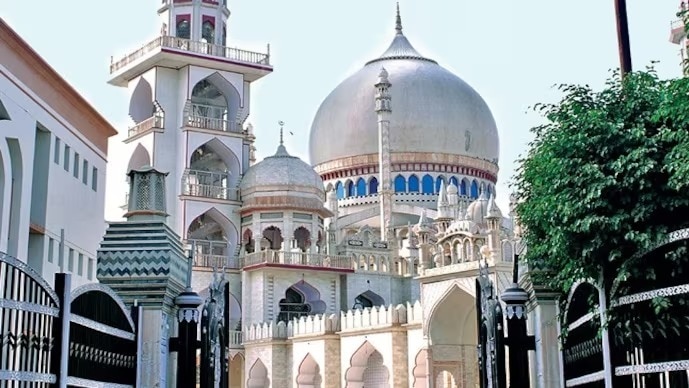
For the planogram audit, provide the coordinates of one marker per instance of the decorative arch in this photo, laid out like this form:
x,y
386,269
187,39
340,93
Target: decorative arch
x,y
420,371
82,303
463,186
236,370
400,184
300,299
215,97
474,189
302,236
309,373
183,27
219,161
367,369
248,241
274,236
208,31
329,187
413,183
258,376
440,179
212,233
373,186
140,158
427,184
368,299
141,105
350,188
453,181
446,306
360,187
339,190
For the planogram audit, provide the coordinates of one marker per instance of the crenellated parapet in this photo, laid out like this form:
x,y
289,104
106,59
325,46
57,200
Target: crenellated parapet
x,y
314,325
373,318
265,331
414,313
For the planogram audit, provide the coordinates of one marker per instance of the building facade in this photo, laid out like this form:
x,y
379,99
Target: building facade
x,y
357,270
50,138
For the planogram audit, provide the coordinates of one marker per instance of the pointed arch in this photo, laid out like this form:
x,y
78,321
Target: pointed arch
x,y
351,189
373,186
400,184
302,236
236,370
420,371
360,187
309,375
463,186
339,190
453,181
427,184
215,157
440,179
140,158
258,376
368,299
274,236
248,241
367,369
443,317
474,189
214,237
141,105
300,299
413,184
216,98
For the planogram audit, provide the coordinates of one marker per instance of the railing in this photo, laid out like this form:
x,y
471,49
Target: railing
x,y
208,184
215,261
155,121
235,339
297,258
193,47
208,117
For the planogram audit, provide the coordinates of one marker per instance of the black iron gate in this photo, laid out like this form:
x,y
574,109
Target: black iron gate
x,y
215,325
83,338
491,348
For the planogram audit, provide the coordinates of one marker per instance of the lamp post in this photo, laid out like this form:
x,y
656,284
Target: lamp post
x,y
623,37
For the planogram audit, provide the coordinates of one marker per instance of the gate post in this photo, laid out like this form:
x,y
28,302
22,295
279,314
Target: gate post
x,y
186,341
60,355
518,340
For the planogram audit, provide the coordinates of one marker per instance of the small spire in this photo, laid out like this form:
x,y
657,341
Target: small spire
x,y
281,123
398,23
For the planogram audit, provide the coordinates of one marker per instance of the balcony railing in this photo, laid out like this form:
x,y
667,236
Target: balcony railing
x,y
235,339
208,117
187,45
215,261
297,258
155,121
208,184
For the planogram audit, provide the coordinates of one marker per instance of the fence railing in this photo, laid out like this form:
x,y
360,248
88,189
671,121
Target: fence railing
x,y
208,117
187,45
155,121
208,184
235,339
297,258
215,261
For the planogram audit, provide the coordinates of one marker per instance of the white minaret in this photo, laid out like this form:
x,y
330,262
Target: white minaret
x,y
190,96
384,110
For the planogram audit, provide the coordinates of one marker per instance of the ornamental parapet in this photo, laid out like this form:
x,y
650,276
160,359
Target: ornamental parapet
x,y
373,318
303,259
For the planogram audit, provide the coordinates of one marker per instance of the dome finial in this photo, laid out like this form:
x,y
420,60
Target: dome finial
x,y
281,124
398,24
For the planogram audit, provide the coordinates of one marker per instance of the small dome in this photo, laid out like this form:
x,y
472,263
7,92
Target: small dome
x,y
452,189
477,210
282,169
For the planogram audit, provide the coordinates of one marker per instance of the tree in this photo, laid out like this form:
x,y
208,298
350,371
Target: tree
x,y
605,178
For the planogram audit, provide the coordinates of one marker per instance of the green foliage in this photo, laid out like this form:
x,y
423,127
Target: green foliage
x,y
605,178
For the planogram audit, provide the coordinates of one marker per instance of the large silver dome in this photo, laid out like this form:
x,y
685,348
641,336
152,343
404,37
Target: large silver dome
x,y
433,111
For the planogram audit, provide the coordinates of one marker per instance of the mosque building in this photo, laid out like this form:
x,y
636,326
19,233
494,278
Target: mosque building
x,y
357,270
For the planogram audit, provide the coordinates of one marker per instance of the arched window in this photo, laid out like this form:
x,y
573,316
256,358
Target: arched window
x,y
350,189
292,306
274,236
361,187
489,190
437,183
339,189
208,32
453,181
183,29
367,299
248,240
373,186
474,189
427,184
303,238
463,187
400,184
413,184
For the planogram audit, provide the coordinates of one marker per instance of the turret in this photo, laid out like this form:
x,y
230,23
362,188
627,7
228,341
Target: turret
x,y
197,20
384,109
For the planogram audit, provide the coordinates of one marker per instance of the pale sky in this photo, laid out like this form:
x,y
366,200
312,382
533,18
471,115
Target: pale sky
x,y
511,52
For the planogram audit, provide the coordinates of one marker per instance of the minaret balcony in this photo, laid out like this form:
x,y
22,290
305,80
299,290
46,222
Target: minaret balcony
x,y
212,254
302,260
152,124
210,118
208,184
176,53
677,32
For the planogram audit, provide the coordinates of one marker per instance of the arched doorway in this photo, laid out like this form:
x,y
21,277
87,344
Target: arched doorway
x,y
309,373
214,105
236,371
452,334
300,299
367,369
258,376
368,299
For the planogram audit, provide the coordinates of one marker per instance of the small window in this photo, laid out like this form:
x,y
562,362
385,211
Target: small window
x,y
90,269
76,165
94,179
80,265
56,151
70,262
66,158
85,173
208,32
183,30
51,249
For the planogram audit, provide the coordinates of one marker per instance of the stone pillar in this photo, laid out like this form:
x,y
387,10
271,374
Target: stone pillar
x,y
332,370
546,370
384,110
400,362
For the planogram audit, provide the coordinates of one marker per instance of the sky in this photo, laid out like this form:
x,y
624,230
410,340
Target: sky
x,y
511,52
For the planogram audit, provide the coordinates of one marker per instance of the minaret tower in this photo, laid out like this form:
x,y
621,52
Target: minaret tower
x,y
384,109
678,34
189,103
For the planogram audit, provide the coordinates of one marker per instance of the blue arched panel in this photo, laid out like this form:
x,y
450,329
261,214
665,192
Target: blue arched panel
x,y
474,189
489,190
453,181
373,186
413,184
427,184
361,187
350,189
437,183
463,187
339,189
400,184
